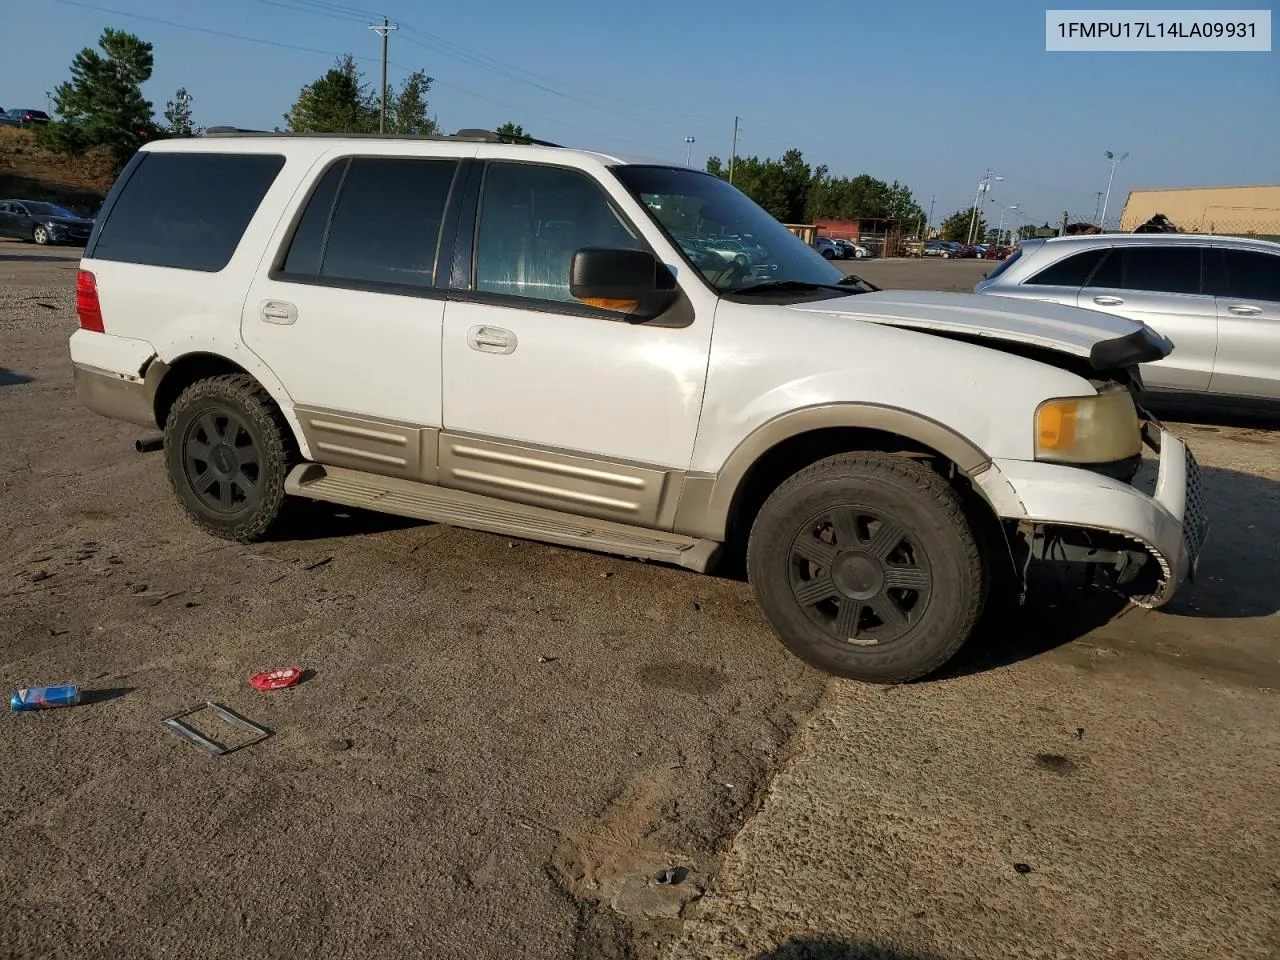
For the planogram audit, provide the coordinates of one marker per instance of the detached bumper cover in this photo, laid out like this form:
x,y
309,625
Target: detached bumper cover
x,y
1170,525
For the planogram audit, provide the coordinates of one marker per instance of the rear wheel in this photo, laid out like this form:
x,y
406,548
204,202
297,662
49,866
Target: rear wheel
x,y
867,567
227,453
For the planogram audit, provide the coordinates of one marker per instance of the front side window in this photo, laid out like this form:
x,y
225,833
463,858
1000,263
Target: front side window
x,y
700,212
1252,275
373,220
186,210
1151,269
532,220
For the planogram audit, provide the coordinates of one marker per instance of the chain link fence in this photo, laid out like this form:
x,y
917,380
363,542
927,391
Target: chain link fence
x,y
1265,228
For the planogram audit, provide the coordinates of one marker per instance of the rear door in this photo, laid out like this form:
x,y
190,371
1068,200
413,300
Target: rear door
x,y
348,314
6,221
1163,287
1247,285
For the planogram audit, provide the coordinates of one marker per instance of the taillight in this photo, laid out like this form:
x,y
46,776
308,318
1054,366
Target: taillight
x,y
88,309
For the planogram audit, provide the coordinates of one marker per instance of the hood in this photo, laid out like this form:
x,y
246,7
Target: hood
x,y
66,221
1108,342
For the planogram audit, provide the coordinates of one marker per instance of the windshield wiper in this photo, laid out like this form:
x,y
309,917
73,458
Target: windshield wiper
x,y
779,285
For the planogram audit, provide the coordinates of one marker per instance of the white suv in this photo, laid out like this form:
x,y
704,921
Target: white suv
x,y
533,340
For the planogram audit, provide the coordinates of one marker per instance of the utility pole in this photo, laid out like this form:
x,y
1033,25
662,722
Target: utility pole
x,y
383,30
733,153
929,225
1096,205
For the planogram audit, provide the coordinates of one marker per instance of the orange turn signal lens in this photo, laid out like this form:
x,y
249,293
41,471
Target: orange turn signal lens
x,y
1100,429
617,306
1056,425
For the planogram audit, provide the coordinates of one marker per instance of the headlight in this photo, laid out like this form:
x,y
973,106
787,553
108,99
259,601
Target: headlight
x,y
1098,429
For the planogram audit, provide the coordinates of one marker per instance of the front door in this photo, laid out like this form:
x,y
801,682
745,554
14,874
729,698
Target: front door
x,y
350,318
1163,287
550,401
1248,288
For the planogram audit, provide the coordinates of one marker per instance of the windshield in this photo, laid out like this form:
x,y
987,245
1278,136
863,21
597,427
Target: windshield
x,y
732,241
38,209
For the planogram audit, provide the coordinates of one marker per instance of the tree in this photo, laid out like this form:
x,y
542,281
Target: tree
x,y
339,102
512,131
177,115
102,104
407,110
956,226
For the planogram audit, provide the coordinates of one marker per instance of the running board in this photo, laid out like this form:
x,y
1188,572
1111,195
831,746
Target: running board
x,y
424,501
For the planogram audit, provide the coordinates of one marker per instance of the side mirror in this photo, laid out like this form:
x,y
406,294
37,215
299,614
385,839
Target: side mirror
x,y
634,282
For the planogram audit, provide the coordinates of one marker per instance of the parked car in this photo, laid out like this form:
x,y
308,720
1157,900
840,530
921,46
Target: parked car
x,y
979,250
1217,298
828,248
23,117
855,251
946,249
42,222
606,387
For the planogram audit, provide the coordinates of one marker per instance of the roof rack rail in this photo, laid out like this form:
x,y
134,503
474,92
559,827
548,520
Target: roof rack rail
x,y
470,135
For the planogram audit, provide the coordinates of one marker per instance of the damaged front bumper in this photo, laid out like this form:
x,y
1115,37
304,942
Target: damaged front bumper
x,y
1075,514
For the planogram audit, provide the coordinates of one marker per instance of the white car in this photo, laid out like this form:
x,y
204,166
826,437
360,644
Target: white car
x,y
516,343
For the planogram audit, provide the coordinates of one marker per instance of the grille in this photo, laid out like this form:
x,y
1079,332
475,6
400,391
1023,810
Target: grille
x,y
1195,521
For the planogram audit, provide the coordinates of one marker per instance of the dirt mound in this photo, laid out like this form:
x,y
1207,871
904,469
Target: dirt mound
x,y
29,171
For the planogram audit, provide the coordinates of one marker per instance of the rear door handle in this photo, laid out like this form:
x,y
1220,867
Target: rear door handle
x,y
491,340
278,311
1108,301
1244,309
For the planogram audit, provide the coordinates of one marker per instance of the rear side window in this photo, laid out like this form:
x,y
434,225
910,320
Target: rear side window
x,y
1252,276
186,210
373,220
1070,272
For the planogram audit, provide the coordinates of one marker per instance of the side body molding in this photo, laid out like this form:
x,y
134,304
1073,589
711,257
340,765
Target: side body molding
x,y
707,500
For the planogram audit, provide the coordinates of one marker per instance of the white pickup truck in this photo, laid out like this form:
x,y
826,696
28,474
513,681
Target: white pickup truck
x,y
513,338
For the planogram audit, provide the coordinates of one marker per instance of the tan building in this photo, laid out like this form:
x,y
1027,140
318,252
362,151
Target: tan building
x,y
1234,210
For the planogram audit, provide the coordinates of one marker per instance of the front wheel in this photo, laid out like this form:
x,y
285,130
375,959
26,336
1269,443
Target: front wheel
x,y
227,452
867,567
40,235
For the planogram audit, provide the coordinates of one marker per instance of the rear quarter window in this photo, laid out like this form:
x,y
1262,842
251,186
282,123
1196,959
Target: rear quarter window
x,y
186,210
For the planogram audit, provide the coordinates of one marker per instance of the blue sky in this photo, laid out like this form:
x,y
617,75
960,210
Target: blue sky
x,y
929,94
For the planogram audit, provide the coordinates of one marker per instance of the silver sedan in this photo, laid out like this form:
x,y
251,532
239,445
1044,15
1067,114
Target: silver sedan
x,y
1217,298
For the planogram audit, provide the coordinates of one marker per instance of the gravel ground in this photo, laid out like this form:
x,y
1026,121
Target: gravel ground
x,y
499,742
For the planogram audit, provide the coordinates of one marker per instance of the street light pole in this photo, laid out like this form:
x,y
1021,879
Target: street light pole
x,y
983,185
688,153
1003,211
1115,162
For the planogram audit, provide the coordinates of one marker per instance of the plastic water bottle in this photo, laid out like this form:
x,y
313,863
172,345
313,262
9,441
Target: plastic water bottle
x,y
44,698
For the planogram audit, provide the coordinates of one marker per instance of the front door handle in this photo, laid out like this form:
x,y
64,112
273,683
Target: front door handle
x,y
1244,309
278,311
1108,301
491,340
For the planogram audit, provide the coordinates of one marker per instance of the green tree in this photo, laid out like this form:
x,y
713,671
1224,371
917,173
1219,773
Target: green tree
x,y
715,167
407,109
956,226
338,102
512,131
102,104
177,115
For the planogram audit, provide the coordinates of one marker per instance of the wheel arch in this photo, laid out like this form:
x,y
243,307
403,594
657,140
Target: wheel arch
x,y
172,377
719,505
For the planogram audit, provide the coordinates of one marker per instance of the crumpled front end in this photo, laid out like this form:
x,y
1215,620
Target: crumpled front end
x,y
1151,541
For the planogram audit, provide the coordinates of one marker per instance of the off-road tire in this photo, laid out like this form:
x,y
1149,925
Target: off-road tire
x,y
212,404
864,494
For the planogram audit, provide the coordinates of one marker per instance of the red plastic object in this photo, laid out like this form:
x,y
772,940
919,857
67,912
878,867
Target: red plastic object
x,y
88,307
276,679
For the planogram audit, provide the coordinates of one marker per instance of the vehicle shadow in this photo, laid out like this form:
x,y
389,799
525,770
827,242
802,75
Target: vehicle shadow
x,y
34,258
1209,413
831,949
1235,580
9,378
320,520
